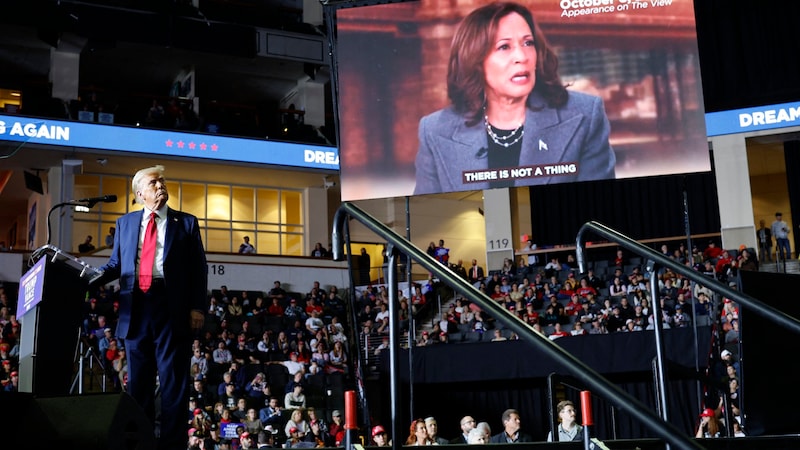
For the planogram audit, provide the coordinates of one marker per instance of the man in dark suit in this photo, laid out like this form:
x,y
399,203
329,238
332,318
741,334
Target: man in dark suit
x,y
510,433
467,424
161,303
475,273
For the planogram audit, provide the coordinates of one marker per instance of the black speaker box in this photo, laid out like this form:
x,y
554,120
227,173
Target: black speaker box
x,y
87,422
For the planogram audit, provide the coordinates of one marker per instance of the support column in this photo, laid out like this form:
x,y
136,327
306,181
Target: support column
x,y
733,191
498,215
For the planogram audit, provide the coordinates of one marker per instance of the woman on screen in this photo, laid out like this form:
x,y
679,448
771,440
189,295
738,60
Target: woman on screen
x,y
511,121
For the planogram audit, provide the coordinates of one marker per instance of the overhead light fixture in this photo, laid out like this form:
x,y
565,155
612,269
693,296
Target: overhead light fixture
x,y
16,94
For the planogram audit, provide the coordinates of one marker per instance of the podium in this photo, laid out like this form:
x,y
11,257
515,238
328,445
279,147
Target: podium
x,y
50,309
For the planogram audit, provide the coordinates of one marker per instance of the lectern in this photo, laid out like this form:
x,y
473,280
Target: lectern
x,y
50,309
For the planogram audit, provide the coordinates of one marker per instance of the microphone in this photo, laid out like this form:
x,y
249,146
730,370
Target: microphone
x,y
103,199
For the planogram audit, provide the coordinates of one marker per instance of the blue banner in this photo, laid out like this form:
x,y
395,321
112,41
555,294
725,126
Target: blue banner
x,y
168,143
758,118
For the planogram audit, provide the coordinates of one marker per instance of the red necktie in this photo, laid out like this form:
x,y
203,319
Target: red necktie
x,y
148,256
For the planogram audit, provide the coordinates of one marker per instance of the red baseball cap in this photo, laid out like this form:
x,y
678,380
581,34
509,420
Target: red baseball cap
x,y
377,430
708,412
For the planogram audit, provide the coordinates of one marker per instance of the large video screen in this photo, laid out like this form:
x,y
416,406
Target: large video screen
x,y
440,97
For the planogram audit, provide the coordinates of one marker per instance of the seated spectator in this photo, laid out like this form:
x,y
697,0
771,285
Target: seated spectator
x,y
303,352
252,423
297,424
295,399
277,292
293,365
243,352
615,321
221,355
235,309
272,414
568,429
724,265
282,346
334,305
424,340
557,332
551,316
204,397
258,389
585,315
240,412
337,359
625,309
680,319
314,323
230,398
258,309
296,332
530,315
598,327
266,348
712,252
669,290
573,307
639,317
498,336
275,309
584,288
746,260
294,312
314,301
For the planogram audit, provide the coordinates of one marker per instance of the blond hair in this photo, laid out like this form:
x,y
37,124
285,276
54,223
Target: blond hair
x,y
137,178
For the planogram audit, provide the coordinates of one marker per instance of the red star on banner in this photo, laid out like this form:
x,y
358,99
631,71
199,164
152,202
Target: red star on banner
x,y
214,147
169,143
181,144
203,146
192,145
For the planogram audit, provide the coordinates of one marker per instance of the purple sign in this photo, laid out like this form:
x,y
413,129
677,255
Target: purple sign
x,y
31,286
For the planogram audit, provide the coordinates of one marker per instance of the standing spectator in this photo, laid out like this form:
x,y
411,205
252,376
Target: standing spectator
x,y
246,247
364,267
442,253
764,235
319,251
533,259
511,433
110,238
87,245
163,299
780,230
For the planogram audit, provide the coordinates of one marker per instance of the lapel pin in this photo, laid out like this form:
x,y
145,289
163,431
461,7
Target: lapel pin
x,y
542,146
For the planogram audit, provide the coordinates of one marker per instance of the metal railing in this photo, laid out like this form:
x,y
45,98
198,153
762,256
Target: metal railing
x,y
599,385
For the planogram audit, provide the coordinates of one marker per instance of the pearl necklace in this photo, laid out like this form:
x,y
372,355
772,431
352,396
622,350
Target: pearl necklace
x,y
501,140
